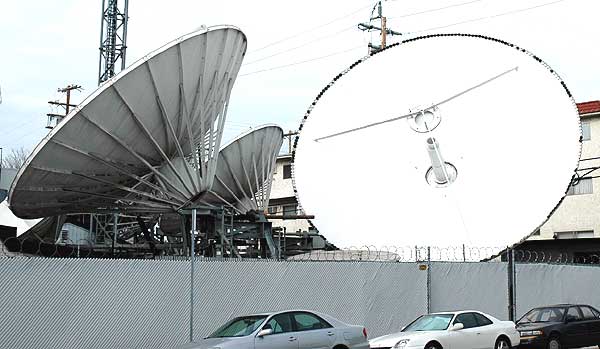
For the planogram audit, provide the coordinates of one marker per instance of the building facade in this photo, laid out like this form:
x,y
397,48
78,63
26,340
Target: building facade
x,y
7,175
578,216
283,201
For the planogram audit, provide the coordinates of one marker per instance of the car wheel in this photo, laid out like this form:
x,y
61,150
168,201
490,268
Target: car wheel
x,y
502,343
432,346
554,343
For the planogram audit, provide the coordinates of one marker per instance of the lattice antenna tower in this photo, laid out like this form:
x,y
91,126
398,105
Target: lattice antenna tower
x,y
113,38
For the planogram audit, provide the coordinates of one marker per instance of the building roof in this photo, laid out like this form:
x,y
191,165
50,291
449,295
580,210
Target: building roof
x,y
588,107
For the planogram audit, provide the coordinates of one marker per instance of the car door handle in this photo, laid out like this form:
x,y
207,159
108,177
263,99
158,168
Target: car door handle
x,y
330,334
291,339
478,332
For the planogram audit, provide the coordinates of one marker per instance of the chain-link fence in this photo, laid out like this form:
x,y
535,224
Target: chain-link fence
x,y
86,302
87,249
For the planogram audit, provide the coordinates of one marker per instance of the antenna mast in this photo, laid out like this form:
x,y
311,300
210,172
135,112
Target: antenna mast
x,y
113,38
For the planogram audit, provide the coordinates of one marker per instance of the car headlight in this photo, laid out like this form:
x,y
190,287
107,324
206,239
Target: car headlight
x,y
402,343
531,333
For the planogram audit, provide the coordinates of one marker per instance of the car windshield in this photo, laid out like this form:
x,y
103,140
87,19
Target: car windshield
x,y
239,327
434,322
551,314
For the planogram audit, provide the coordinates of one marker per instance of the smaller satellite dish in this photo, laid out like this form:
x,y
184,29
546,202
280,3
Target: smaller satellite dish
x,y
440,140
245,170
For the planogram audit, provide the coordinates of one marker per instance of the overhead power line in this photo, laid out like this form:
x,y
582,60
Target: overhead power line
x,y
415,32
300,46
488,17
302,62
310,30
341,31
436,9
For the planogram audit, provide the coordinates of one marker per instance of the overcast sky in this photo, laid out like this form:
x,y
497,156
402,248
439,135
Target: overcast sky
x,y
49,44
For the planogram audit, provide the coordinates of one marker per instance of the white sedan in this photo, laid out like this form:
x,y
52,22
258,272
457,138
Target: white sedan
x,y
292,329
452,330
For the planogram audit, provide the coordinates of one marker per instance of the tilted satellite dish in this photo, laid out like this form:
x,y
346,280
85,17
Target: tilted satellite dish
x,y
440,140
245,169
146,141
243,176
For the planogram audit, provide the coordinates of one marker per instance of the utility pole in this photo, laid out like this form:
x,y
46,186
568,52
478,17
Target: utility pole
x,y
385,31
58,117
289,136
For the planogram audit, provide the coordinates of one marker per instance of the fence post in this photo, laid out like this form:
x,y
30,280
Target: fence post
x,y
192,258
510,256
114,242
428,279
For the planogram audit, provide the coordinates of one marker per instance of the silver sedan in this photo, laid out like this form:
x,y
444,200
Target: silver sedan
x,y
294,329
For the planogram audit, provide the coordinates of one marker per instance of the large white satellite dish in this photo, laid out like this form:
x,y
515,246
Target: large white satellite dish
x,y
146,141
440,140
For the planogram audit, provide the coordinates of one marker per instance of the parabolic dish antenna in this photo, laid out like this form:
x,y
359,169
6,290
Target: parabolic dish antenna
x,y
244,174
146,141
440,140
245,169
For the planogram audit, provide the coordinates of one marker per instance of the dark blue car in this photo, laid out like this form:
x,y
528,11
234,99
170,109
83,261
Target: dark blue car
x,y
560,326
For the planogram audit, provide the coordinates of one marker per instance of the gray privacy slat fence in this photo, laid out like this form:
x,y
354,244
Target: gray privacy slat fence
x,y
100,303
382,296
542,284
480,286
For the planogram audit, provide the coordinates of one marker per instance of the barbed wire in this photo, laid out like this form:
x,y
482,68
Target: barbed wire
x,y
82,248
448,254
32,247
402,254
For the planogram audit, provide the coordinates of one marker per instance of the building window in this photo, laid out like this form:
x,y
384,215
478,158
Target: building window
x,y
584,186
574,234
290,210
586,133
64,236
287,171
272,209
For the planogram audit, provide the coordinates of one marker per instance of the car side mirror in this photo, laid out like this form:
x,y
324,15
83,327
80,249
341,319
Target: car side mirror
x,y
457,326
265,332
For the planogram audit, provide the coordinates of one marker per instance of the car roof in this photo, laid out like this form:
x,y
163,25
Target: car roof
x,y
330,319
456,312
283,311
562,305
